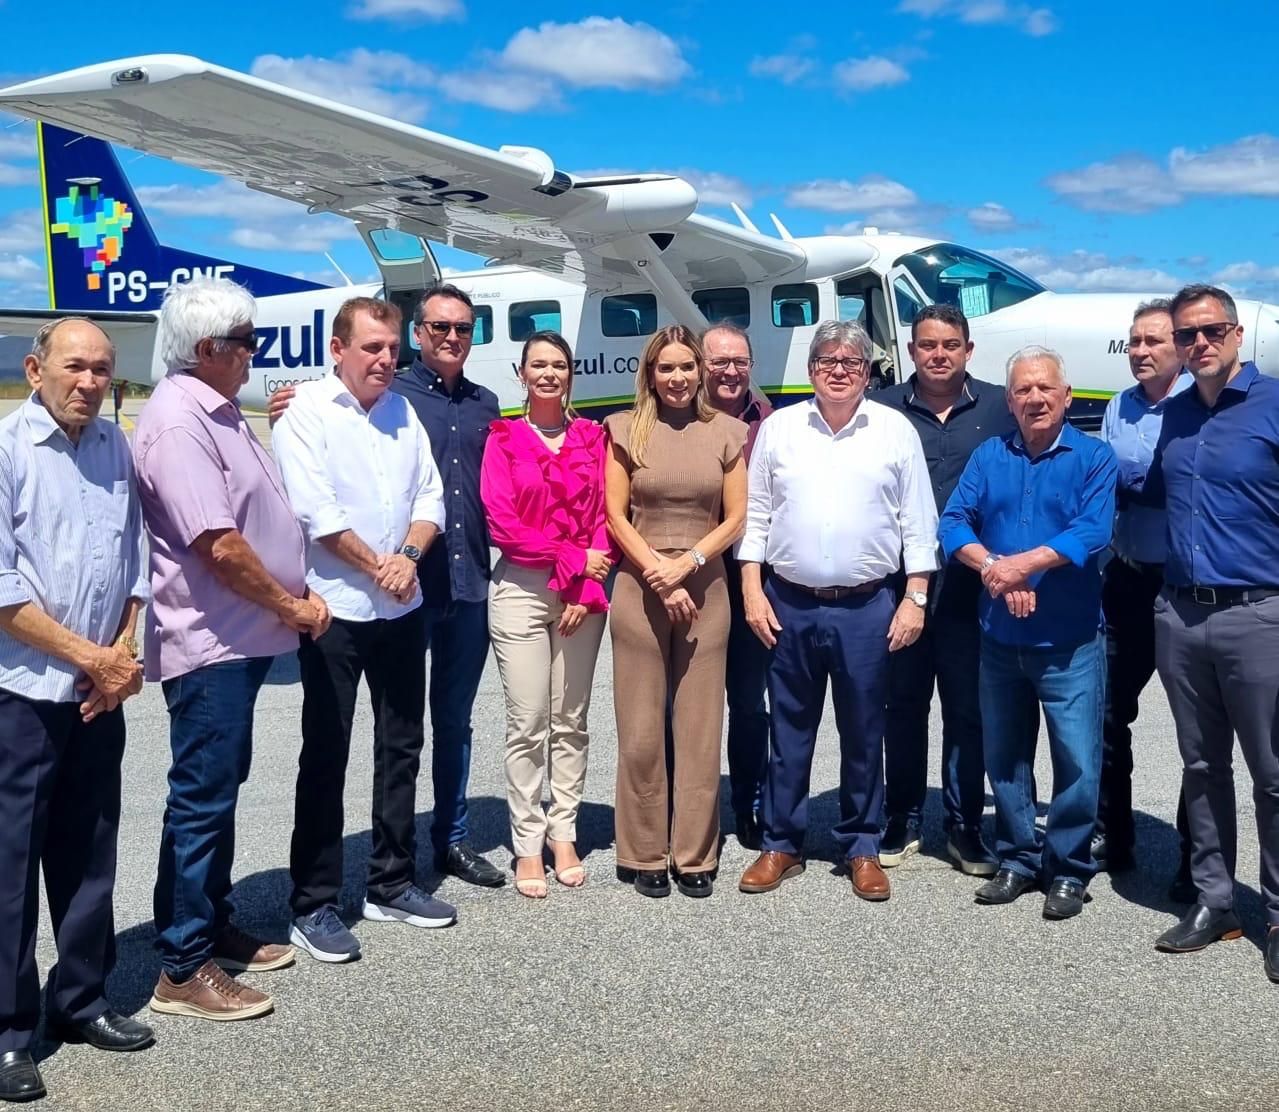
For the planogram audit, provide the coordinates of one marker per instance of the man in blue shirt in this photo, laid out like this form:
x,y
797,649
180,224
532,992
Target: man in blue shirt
x,y
1217,620
1131,581
1032,513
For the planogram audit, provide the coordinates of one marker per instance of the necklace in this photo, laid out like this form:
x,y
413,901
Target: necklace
x,y
545,430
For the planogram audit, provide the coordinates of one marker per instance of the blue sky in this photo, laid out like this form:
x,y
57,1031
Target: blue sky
x,y
1098,146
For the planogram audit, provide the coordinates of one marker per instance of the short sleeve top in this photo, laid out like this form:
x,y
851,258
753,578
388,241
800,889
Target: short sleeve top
x,y
677,495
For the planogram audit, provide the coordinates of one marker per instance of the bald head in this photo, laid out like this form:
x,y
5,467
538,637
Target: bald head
x,y
70,368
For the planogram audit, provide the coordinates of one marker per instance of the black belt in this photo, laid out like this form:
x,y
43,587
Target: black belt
x,y
833,594
1138,566
1223,596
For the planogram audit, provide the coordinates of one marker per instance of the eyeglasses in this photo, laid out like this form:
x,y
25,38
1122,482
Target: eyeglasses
x,y
741,363
1213,333
442,328
827,363
249,342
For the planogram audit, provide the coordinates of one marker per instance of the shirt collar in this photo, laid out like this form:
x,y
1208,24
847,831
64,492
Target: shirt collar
x,y
1183,383
43,427
860,419
434,382
1064,440
335,390
1244,379
205,396
967,396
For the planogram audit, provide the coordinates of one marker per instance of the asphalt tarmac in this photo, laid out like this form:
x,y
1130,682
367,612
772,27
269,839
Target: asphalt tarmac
x,y
804,998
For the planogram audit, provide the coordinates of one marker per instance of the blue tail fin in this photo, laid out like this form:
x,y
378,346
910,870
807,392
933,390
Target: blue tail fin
x,y
102,251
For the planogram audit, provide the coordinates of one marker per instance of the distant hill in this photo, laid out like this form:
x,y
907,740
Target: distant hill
x,y
12,350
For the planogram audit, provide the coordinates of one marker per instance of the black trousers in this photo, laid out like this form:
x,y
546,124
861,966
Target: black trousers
x,y
1127,601
391,653
60,810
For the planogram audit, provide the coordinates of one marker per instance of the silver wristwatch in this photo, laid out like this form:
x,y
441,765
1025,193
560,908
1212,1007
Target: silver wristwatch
x,y
698,559
412,552
991,558
919,598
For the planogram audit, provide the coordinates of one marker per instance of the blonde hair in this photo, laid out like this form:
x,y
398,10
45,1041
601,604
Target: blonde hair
x,y
645,410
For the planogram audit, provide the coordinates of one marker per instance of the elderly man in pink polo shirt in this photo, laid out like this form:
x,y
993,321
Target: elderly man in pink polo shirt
x,y
228,580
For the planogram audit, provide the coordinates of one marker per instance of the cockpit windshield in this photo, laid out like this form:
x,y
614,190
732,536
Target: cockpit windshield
x,y
953,275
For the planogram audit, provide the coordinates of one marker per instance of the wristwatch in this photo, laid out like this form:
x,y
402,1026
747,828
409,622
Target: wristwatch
x,y
698,559
412,552
129,645
991,558
919,598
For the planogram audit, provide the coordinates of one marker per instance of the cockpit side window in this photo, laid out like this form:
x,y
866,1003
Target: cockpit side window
x,y
978,284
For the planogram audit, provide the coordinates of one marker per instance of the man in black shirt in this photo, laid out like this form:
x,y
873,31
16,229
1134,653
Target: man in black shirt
x,y
953,413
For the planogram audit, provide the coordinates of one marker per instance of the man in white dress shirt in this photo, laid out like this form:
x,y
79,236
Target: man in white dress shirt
x,y
839,501
359,473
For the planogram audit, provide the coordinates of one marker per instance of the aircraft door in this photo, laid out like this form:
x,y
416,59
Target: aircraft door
x,y
905,299
407,267
860,297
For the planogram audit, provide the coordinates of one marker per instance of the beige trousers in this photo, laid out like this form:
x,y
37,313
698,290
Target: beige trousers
x,y
547,680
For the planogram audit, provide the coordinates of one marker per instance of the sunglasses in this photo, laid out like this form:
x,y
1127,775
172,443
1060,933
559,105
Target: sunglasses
x,y
1213,333
249,342
442,328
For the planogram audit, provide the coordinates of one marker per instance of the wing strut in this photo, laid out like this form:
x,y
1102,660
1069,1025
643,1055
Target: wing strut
x,y
652,268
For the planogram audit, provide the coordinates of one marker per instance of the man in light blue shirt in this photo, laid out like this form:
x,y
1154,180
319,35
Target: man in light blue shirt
x,y
1131,582
71,586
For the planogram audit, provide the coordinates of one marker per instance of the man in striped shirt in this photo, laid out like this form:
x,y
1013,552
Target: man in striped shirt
x,y
71,587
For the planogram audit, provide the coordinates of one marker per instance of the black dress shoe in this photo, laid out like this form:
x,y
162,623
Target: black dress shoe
x,y
652,882
464,863
749,833
1272,954
1112,855
1004,887
19,1078
1065,898
1201,927
697,885
110,1031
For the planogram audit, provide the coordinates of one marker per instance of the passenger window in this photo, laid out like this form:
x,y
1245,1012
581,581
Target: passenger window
x,y
527,317
628,314
794,305
908,303
732,304
483,333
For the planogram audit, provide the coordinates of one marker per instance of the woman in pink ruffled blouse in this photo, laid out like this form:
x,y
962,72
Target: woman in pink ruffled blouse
x,y
542,484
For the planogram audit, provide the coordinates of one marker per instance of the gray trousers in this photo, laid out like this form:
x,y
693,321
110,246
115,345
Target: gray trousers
x,y
1220,667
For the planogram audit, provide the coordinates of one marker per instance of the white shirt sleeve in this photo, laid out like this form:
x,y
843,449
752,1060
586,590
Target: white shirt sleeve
x,y
428,500
759,500
299,445
918,508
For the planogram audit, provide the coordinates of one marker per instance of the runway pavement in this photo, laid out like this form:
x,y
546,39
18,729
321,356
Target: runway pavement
x,y
804,998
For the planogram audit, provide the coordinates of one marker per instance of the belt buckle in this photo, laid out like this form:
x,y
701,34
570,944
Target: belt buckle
x,y
1205,596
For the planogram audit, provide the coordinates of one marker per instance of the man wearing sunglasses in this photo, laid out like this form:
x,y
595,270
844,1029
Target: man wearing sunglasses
x,y
1217,619
729,360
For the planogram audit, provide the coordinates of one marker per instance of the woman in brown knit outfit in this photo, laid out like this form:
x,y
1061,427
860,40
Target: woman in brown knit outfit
x,y
676,499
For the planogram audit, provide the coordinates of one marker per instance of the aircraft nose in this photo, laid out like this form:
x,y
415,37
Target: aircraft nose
x,y
1266,353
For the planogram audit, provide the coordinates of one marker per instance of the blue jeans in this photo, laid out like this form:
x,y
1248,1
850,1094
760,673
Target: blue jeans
x,y
1071,686
211,738
458,640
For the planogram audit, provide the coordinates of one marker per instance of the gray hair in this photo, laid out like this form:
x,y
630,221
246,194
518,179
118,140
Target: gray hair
x,y
1034,351
199,310
733,330
845,333
43,339
1154,305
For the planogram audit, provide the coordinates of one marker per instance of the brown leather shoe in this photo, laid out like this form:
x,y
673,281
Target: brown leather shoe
x,y
869,880
242,953
209,994
769,870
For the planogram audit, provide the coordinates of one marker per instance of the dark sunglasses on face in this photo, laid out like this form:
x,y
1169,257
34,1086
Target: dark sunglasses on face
x,y
1213,333
249,342
441,327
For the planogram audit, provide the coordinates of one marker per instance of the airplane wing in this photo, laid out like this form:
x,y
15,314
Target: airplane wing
x,y
132,333
510,205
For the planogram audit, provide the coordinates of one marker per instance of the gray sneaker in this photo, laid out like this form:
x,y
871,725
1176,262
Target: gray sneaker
x,y
412,906
324,936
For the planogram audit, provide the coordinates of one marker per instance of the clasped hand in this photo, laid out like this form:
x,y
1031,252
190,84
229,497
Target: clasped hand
x,y
397,575
1008,578
110,678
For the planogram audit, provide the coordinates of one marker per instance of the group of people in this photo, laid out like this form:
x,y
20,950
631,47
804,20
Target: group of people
x,y
946,531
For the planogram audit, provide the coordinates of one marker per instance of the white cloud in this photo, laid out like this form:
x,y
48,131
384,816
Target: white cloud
x,y
359,78
301,236
859,75
507,92
1129,183
1088,271
786,68
920,220
871,192
17,175
18,143
717,189
22,232
1245,273
598,53
1247,166
991,217
22,271
405,11
1033,21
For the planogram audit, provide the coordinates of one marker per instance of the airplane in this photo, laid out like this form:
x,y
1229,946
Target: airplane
x,y
604,260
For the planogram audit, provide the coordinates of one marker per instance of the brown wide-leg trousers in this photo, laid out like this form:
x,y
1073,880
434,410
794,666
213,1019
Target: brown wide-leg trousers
x,y
654,659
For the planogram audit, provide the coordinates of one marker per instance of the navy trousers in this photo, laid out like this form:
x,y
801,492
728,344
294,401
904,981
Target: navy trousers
x,y
745,680
60,809
844,642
